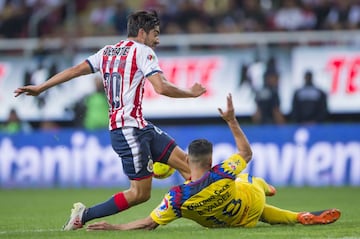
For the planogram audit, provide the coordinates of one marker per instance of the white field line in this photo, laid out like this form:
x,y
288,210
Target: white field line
x,y
28,231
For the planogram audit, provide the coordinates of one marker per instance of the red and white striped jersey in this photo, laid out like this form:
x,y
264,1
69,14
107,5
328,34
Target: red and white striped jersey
x,y
124,68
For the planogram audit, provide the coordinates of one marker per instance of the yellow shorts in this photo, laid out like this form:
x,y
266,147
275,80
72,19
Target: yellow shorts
x,y
255,189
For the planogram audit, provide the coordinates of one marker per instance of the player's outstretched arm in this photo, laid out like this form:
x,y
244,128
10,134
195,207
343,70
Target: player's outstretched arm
x,y
240,138
164,87
66,75
146,223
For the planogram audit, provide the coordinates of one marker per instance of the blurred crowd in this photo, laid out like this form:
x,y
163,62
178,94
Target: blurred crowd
x,y
81,18
52,18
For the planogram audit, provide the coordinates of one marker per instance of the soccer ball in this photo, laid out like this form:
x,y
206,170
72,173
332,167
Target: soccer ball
x,y
162,170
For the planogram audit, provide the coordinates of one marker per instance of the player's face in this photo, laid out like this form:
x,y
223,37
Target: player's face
x,y
152,38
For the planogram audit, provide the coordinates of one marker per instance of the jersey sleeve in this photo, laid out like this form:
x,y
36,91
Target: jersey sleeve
x,y
148,62
234,165
164,213
95,60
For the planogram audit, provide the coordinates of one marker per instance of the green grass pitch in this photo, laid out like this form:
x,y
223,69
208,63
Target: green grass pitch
x,y
40,213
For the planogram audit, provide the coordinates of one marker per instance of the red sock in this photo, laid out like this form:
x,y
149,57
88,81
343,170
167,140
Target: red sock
x,y
121,202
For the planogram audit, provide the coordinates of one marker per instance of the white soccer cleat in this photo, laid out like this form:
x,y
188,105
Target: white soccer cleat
x,y
74,221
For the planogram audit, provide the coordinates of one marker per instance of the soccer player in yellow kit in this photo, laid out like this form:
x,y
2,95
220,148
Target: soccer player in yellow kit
x,y
221,196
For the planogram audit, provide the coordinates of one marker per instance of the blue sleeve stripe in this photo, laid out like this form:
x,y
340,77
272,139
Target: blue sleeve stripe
x,y
92,68
152,73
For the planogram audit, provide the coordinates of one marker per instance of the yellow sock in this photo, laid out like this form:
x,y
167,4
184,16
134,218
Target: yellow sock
x,y
274,215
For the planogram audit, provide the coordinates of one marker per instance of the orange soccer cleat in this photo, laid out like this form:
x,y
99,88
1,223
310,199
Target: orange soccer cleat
x,y
319,217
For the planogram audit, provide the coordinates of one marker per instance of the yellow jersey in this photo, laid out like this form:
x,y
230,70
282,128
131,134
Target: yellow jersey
x,y
218,199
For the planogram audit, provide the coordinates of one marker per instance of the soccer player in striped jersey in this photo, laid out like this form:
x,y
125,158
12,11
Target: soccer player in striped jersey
x,y
221,196
124,68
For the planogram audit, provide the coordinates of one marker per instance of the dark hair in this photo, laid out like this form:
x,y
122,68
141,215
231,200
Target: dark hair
x,y
200,147
308,76
146,20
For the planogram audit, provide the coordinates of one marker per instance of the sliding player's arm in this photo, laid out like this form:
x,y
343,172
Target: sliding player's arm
x,y
145,223
161,215
241,141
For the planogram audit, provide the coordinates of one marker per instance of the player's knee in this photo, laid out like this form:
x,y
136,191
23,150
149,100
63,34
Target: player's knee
x,y
140,196
143,196
139,191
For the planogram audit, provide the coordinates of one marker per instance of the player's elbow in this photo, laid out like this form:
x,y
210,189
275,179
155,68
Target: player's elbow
x,y
160,84
247,154
161,90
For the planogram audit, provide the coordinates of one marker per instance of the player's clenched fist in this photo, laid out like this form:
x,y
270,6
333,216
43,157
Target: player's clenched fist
x,y
198,89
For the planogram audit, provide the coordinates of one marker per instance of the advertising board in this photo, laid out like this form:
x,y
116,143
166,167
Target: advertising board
x,y
323,155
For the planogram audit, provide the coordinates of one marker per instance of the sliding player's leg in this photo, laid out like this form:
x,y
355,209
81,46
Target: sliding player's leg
x,y
275,215
268,189
319,217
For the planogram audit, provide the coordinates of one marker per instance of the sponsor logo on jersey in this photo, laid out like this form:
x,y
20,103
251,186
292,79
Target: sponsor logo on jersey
x,y
164,205
150,166
150,57
232,165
